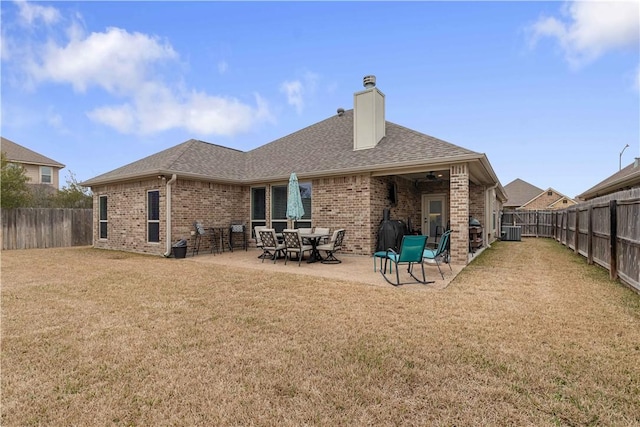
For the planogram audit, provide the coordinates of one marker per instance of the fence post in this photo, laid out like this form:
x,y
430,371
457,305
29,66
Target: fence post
x,y
613,237
590,235
576,236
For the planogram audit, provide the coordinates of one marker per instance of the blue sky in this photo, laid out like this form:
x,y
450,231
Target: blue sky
x,y
548,90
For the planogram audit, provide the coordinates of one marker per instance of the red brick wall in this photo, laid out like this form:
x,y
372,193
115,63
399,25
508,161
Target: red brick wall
x,y
127,216
459,214
209,203
354,202
544,200
477,201
345,202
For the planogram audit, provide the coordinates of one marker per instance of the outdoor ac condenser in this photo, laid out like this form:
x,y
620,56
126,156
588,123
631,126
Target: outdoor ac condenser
x,y
511,233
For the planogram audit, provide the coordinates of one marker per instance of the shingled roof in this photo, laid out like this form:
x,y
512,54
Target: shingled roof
x,y
627,177
520,192
322,149
18,154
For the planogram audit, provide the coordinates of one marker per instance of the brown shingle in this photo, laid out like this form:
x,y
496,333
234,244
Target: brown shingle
x,y
628,176
19,154
520,192
323,148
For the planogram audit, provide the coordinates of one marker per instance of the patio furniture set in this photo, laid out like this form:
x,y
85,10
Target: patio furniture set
x,y
413,251
298,242
220,237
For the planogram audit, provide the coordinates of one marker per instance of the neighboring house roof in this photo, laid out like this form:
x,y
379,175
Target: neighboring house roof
x,y
628,177
322,149
559,201
520,192
16,153
559,197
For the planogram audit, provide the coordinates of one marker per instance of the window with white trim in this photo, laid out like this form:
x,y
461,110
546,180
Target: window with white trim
x,y
102,217
153,216
46,175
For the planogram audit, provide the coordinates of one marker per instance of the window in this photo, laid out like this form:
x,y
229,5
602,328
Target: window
x,y
258,207
564,202
305,193
279,206
46,175
549,193
102,217
153,216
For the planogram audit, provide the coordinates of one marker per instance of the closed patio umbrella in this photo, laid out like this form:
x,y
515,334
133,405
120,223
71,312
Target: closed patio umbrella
x,y
295,210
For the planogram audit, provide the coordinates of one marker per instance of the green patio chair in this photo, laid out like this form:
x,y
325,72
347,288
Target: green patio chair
x,y
442,251
411,250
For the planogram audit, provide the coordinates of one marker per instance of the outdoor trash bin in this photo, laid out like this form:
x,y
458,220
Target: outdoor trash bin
x,y
180,249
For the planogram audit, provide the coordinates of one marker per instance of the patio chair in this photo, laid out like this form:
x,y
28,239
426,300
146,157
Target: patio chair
x,y
442,251
322,230
334,245
259,243
270,244
304,231
411,251
294,245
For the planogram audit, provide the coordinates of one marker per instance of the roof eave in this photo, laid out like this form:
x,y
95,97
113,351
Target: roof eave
x,y
30,162
631,179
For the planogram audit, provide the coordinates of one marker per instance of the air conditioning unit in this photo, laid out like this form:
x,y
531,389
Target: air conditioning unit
x,y
511,233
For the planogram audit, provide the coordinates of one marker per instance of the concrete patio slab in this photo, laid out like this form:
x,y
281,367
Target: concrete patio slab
x,y
353,268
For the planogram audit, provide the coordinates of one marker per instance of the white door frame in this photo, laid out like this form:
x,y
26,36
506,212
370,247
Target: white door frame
x,y
426,199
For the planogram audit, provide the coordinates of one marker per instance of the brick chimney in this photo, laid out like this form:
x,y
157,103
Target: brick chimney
x,y
368,115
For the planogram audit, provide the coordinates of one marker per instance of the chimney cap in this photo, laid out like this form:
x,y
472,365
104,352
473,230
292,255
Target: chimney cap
x,y
369,81
340,111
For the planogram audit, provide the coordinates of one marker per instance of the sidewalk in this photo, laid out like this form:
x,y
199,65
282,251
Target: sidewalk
x,y
353,268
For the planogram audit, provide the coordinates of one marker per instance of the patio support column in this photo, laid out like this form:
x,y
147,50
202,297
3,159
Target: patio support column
x,y
459,213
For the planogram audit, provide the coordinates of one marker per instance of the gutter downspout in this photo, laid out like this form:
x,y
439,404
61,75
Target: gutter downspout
x,y
173,179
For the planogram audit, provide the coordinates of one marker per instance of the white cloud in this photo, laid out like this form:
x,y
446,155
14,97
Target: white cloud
x,y
30,13
590,29
115,60
121,118
127,65
296,91
157,109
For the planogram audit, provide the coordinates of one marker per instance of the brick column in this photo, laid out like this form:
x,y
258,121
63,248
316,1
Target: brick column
x,y
459,213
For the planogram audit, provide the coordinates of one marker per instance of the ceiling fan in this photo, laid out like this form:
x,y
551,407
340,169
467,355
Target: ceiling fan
x,y
430,177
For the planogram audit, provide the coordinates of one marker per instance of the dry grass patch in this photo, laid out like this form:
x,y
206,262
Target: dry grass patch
x,y
525,335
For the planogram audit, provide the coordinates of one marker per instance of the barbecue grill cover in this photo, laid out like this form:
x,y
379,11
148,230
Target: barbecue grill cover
x,y
390,235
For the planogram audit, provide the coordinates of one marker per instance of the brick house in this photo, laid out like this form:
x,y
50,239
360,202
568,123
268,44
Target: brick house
x,y
41,170
524,196
350,166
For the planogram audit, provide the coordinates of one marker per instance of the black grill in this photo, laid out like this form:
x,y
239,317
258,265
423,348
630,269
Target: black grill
x,y
390,233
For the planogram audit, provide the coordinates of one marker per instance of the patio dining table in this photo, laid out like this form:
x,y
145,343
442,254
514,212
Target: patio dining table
x,y
314,239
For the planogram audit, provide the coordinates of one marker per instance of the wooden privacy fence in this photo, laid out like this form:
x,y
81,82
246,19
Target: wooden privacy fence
x,y
605,230
26,228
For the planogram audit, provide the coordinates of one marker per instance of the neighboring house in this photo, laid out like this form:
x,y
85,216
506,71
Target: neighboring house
x,y
519,192
524,196
624,179
350,166
40,170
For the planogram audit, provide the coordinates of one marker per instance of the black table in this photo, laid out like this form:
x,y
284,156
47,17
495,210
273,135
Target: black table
x,y
314,239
